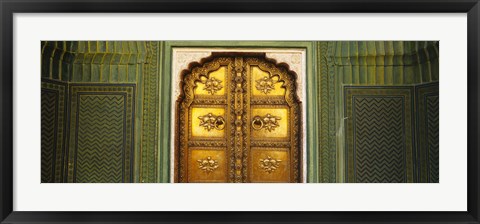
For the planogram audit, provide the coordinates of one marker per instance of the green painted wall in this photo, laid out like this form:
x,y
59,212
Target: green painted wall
x,y
330,66
115,62
379,63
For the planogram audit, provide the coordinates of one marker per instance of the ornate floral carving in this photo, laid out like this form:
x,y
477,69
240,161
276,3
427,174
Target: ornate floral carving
x,y
265,84
212,85
269,122
269,164
208,164
210,121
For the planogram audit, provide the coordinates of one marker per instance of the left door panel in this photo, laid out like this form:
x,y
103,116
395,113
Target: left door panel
x,y
204,123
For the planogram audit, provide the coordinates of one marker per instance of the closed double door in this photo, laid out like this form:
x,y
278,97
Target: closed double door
x,y
238,119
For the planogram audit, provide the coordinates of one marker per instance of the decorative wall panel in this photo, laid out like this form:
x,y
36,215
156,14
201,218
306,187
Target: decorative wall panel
x,y
101,133
137,62
428,132
53,110
379,140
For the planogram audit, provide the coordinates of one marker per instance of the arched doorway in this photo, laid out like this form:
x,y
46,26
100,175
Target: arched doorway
x,y
238,119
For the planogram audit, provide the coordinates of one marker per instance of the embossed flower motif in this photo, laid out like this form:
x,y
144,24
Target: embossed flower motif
x,y
207,164
269,164
270,122
265,84
212,85
211,121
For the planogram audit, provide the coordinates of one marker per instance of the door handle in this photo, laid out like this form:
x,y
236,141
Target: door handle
x,y
257,123
219,123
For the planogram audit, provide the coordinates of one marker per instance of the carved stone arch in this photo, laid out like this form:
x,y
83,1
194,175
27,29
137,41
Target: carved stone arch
x,y
236,152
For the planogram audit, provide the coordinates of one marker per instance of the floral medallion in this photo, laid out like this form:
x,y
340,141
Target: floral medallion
x,y
265,84
269,122
208,164
212,85
210,121
269,164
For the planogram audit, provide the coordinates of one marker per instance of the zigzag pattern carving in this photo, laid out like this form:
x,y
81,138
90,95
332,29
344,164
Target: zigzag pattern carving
x,y
100,139
326,162
433,138
379,143
48,126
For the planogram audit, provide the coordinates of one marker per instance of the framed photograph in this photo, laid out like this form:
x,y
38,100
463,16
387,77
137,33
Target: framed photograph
x,y
237,111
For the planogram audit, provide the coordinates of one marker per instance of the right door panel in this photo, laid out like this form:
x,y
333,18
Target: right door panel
x,y
275,123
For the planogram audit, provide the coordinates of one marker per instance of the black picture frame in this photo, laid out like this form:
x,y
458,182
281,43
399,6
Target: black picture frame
x,y
9,7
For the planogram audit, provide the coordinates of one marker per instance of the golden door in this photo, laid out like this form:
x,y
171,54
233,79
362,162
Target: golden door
x,y
238,119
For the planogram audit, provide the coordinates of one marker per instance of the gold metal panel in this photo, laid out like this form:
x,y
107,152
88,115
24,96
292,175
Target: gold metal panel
x,y
268,122
264,84
270,165
208,122
214,84
237,122
207,165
